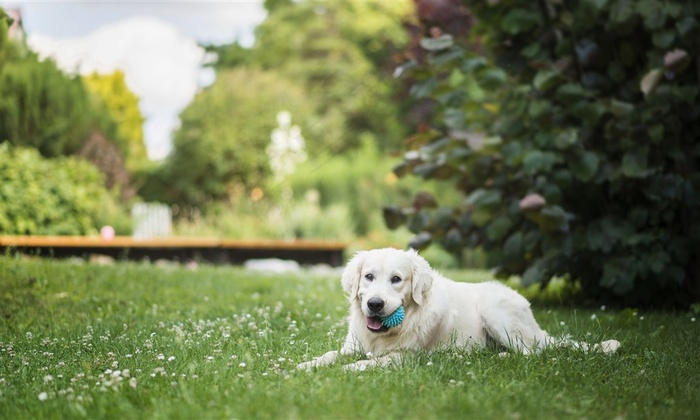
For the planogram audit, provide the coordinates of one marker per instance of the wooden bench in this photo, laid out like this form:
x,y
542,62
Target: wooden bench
x,y
220,251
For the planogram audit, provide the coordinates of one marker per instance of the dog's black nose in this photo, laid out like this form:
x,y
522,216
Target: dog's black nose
x,y
375,304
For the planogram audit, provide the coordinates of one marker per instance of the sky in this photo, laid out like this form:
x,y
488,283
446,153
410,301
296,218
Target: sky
x,y
155,43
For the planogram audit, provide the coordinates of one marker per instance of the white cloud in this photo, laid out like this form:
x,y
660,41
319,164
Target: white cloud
x,y
161,66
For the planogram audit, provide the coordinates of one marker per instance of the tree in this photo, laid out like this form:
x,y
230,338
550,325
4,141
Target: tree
x,y
122,106
222,139
41,107
340,52
574,140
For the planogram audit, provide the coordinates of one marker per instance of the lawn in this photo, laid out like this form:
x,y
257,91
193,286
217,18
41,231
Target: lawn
x,y
134,340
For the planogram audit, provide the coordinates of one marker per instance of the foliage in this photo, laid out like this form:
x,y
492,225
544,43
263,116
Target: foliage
x,y
123,108
223,135
574,141
141,341
62,196
5,22
339,52
361,180
41,107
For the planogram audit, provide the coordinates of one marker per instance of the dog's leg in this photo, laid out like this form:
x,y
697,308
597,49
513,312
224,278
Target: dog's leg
x,y
383,361
517,331
350,347
326,359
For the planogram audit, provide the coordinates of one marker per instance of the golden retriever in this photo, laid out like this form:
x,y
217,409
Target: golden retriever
x,y
438,312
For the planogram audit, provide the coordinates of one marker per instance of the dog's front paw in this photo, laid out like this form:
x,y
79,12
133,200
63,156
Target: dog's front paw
x,y
609,346
323,360
359,366
307,365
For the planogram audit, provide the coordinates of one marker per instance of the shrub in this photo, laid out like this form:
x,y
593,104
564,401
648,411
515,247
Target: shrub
x,y
62,196
574,142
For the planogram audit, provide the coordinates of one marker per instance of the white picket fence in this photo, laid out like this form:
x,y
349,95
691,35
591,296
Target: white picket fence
x,y
151,220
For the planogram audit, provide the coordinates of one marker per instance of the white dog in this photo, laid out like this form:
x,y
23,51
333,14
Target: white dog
x,y
438,312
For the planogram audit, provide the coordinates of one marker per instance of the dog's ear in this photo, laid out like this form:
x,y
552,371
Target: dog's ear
x,y
422,276
350,279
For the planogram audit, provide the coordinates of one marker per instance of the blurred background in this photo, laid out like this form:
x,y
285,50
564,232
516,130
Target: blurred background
x,y
556,139
179,103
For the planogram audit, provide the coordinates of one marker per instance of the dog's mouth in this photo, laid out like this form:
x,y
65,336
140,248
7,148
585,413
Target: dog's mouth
x,y
374,324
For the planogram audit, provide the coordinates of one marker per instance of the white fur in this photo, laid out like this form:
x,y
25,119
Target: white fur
x,y
438,312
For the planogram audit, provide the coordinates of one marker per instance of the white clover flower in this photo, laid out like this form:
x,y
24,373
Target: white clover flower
x,y
48,378
242,364
593,317
171,358
43,396
132,383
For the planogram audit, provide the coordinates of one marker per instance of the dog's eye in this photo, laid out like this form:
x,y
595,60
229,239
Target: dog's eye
x,y
369,276
396,279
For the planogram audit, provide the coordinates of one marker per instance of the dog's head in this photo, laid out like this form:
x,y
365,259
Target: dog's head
x,y
381,280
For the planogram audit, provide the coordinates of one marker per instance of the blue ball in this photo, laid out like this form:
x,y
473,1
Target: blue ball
x,y
394,319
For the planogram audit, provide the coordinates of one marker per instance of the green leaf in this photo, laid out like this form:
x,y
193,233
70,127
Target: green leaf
x,y
521,20
550,219
686,27
492,79
455,118
535,273
513,247
617,276
445,57
474,63
546,79
656,133
443,218
537,161
566,139
586,166
653,15
424,88
620,109
498,228
484,198
664,39
480,216
634,162
570,92
441,42
588,112
621,11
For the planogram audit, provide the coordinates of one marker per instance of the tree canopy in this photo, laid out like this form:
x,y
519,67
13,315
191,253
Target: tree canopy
x,y
122,106
223,136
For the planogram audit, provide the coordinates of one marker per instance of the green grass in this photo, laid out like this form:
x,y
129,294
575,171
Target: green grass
x,y
138,341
